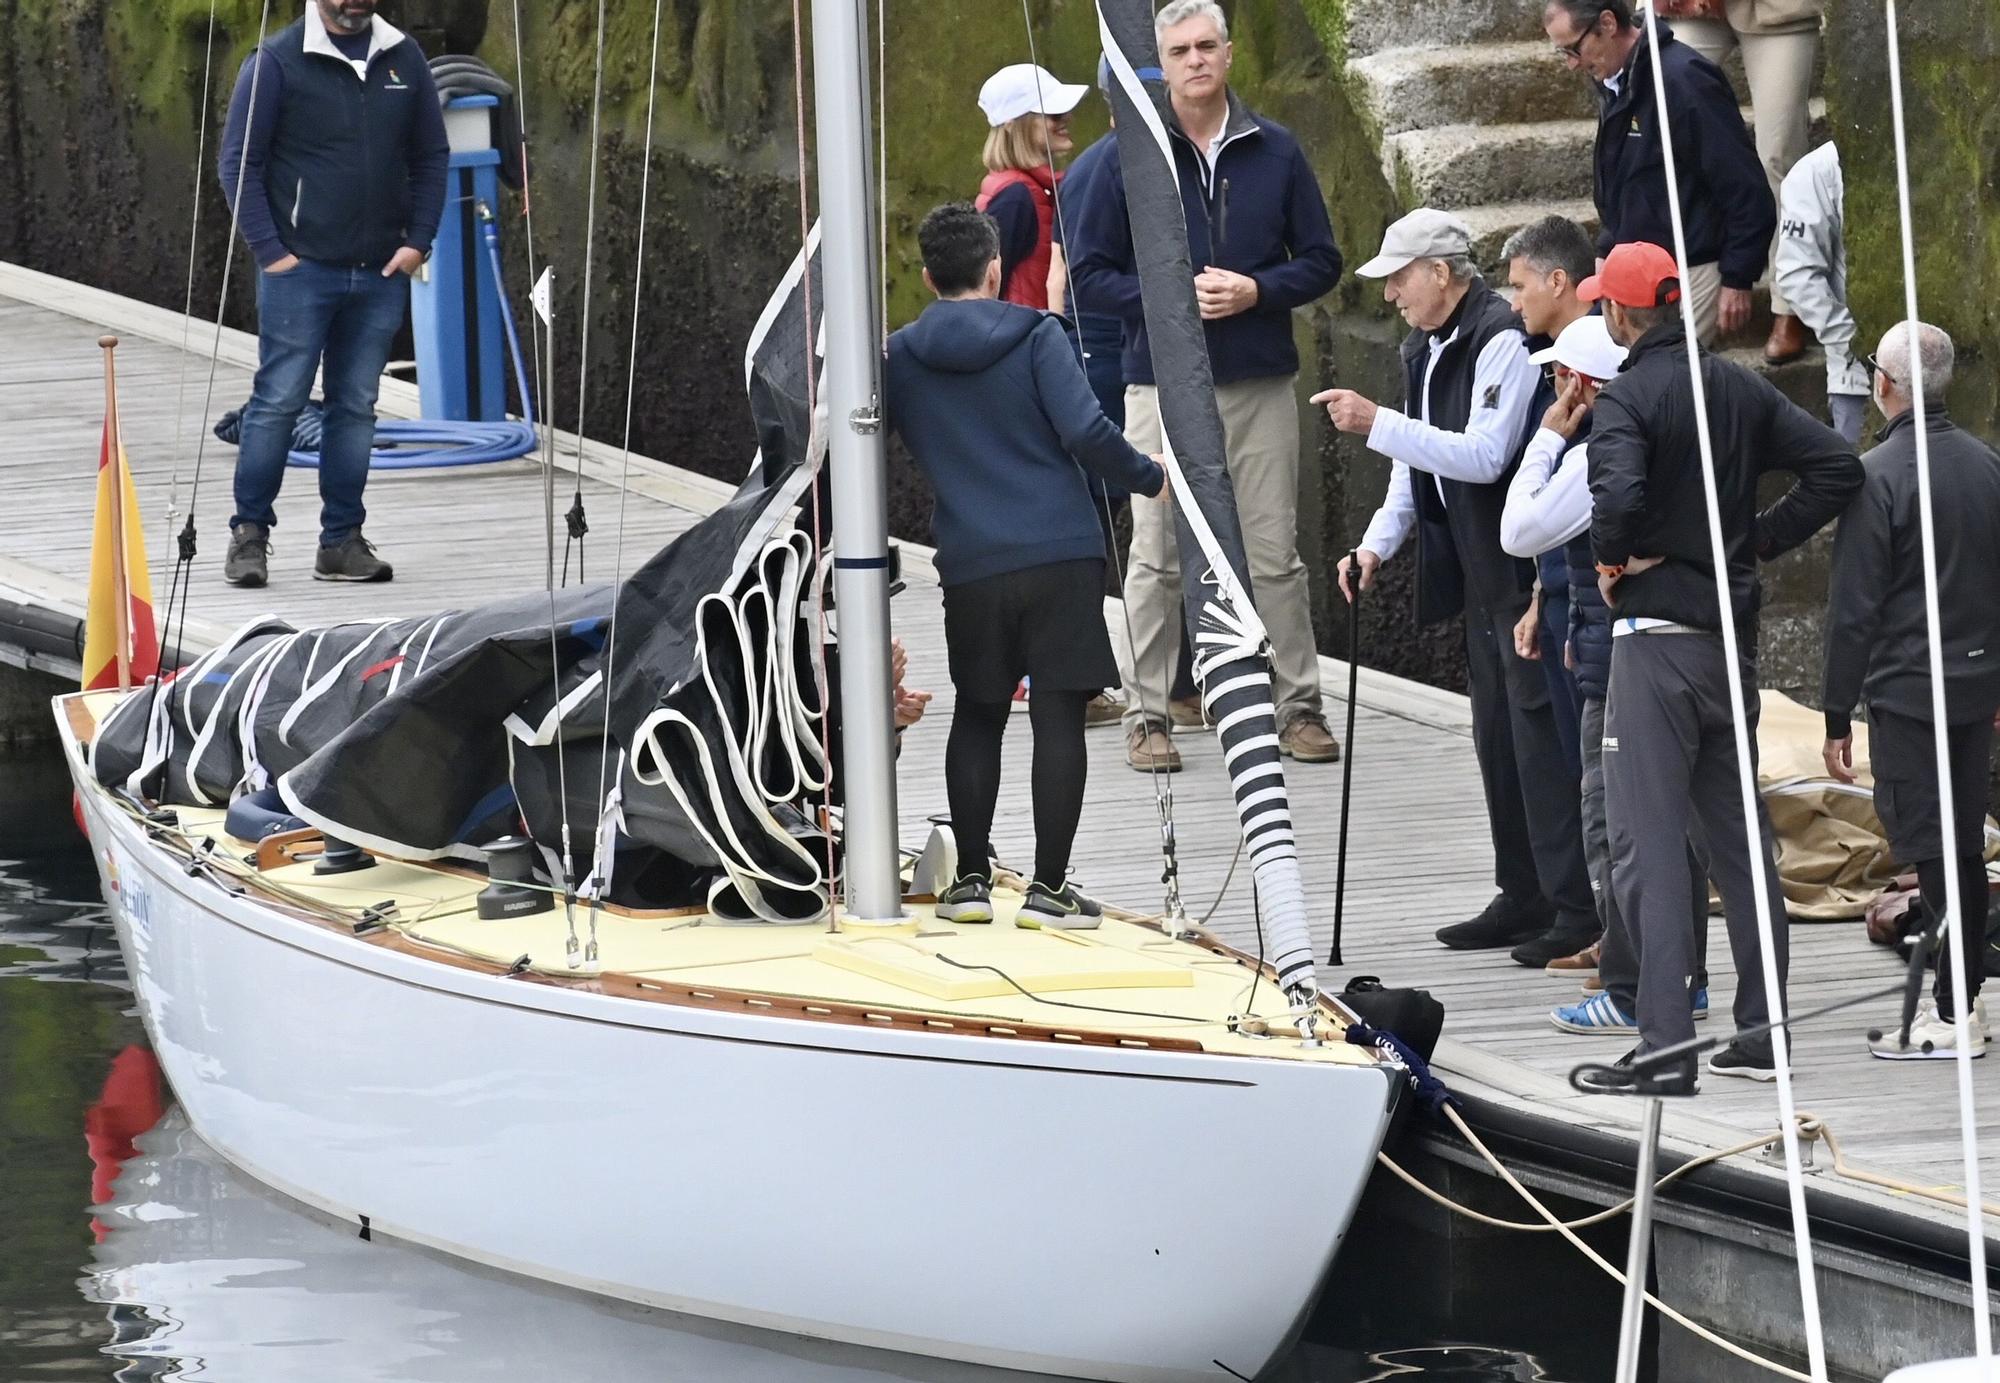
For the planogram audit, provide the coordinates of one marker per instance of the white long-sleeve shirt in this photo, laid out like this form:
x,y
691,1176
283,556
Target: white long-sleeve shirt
x,y
1479,455
1545,511
1811,263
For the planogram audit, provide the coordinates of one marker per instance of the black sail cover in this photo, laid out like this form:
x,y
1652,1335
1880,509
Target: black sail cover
x,y
1231,651
429,737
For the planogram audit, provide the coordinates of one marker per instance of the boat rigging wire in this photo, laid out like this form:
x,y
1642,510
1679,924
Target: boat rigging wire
x,y
1756,855
1956,919
574,518
187,304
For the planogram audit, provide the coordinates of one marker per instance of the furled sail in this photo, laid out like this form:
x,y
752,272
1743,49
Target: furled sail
x,y
1231,651
427,737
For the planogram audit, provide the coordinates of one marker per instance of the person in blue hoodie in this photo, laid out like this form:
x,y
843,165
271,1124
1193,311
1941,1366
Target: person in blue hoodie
x,y
992,403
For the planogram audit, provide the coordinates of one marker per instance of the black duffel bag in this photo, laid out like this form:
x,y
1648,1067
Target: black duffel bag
x,y
1411,1014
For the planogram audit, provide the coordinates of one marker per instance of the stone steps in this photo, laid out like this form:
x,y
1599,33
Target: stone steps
x,y
1373,26
1493,223
1404,89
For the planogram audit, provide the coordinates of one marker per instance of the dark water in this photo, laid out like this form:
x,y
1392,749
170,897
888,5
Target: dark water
x,y
129,1251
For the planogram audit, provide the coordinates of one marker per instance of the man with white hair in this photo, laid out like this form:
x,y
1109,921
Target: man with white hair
x,y
1878,651
1468,387
1261,244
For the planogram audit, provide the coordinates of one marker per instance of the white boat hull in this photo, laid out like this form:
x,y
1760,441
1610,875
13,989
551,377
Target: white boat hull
x,y
1081,1210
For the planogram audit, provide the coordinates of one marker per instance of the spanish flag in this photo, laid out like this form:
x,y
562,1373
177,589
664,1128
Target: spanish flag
x,y
120,647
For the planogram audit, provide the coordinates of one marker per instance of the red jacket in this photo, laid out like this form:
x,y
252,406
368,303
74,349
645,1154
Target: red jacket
x,y
1028,284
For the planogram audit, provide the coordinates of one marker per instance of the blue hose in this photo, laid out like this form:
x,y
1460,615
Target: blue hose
x,y
424,444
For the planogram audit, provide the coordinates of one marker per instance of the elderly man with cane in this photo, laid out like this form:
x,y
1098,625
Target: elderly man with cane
x,y
1878,650
1468,386
1669,747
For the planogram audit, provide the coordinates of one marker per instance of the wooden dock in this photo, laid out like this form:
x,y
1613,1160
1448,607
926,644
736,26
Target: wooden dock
x,y
1420,855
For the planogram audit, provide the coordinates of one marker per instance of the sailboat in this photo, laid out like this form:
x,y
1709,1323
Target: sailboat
x,y
500,933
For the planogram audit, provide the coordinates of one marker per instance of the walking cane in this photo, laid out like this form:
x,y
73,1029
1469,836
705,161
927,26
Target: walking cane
x,y
1347,757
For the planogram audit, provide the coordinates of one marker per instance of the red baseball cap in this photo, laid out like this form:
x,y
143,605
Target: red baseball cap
x,y
1635,274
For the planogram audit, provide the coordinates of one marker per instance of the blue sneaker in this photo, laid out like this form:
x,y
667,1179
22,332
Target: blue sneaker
x,y
1700,1004
1597,1014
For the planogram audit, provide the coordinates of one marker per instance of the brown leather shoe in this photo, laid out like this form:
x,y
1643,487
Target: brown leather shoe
x,y
1186,713
1307,739
1787,340
1583,963
1102,709
1593,984
1148,749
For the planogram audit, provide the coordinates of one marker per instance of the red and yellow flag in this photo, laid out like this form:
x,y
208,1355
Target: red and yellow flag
x,y
120,647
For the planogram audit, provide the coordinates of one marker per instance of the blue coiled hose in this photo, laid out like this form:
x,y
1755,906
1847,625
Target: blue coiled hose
x,y
411,444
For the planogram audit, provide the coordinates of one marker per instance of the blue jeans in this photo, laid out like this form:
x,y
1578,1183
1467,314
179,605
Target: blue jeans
x,y
1563,694
350,318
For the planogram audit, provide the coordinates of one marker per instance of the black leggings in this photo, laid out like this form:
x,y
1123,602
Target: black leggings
x,y
972,778
1972,897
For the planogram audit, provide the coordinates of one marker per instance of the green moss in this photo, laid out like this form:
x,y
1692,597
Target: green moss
x,y
1329,21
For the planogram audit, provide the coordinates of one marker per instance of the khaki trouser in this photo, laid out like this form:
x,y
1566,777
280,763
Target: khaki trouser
x,y
1705,291
1260,424
1780,70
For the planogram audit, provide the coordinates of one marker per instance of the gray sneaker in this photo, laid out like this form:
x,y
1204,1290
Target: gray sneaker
x,y
1063,909
248,561
352,559
968,900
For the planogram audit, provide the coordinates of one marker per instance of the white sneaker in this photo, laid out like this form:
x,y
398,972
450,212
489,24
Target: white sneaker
x,y
1931,1038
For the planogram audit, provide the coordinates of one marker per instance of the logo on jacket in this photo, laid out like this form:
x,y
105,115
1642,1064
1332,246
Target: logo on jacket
x,y
1492,399
1795,229
1635,130
396,83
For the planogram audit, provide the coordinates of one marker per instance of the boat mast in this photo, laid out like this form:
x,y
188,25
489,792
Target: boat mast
x,y
860,501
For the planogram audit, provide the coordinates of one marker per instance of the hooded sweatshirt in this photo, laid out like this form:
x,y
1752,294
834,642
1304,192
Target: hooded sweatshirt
x,y
992,402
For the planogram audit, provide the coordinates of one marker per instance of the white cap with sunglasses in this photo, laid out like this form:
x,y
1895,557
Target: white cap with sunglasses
x,y
1025,89
1586,348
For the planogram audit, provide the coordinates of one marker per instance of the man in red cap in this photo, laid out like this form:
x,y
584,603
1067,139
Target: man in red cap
x,y
1669,745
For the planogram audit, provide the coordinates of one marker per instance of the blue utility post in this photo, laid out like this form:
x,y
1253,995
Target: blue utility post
x,y
454,303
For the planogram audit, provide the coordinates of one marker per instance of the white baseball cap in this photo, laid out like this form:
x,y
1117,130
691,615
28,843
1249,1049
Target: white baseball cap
x,y
1585,345
1023,89
1423,234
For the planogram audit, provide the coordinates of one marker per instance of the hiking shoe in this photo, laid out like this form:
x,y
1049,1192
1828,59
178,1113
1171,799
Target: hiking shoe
x,y
1102,709
248,562
1186,713
1063,909
1579,966
1734,1061
1557,943
1148,749
1306,738
351,559
1600,1014
968,900
1503,923
1932,1038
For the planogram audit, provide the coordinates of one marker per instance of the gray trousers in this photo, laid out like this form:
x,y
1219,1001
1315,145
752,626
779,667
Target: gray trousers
x,y
1532,805
1669,756
1618,962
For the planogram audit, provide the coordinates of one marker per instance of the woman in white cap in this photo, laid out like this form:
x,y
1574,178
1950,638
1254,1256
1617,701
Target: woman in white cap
x,y
1027,114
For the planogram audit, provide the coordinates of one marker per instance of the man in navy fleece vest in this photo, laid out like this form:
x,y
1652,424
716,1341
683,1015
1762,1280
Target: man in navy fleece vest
x,y
337,147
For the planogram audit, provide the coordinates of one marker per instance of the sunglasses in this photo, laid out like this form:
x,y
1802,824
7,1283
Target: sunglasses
x,y
1874,368
1573,52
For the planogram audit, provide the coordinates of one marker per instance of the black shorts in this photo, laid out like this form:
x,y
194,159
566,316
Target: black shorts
x,y
1044,623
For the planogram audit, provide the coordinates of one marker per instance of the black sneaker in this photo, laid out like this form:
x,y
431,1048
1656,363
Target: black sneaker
x,y
1064,909
1734,1061
248,562
352,559
1556,943
1503,923
968,900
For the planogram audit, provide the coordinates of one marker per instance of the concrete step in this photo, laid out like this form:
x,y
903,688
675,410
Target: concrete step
x,y
1485,84
1469,165
1493,223
1375,25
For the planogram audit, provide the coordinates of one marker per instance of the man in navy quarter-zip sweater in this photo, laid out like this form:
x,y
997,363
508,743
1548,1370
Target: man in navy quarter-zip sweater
x,y
1261,245
337,145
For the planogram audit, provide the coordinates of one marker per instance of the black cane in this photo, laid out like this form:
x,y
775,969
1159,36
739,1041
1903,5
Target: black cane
x,y
1347,751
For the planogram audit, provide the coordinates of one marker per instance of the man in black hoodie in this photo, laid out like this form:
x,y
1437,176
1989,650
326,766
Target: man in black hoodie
x,y
1878,648
1669,741
1725,197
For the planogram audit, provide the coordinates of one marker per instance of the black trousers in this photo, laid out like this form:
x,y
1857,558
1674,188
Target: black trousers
x,y
1670,768
1903,751
1533,800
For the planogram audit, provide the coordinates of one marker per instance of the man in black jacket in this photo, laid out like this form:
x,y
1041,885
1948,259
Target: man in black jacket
x,y
1669,741
1725,197
1878,648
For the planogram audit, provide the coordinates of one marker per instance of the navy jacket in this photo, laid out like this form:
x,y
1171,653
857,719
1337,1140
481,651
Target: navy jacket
x,y
994,406
340,168
1258,211
1725,198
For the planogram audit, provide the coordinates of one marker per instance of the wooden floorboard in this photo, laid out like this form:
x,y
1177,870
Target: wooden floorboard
x,y
1419,854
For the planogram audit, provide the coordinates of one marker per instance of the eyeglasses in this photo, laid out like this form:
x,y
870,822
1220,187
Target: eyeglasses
x,y
1573,52
1874,368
